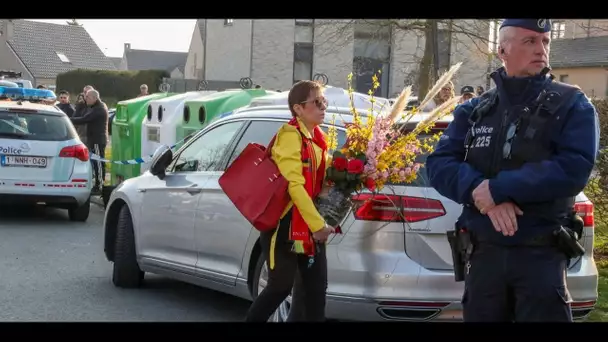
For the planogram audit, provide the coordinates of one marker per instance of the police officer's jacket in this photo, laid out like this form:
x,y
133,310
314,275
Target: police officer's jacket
x,y
543,185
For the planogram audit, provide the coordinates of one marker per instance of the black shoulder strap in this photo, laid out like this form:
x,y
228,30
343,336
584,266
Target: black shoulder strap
x,y
556,95
486,101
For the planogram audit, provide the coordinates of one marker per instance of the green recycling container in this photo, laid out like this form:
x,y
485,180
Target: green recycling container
x,y
199,112
126,135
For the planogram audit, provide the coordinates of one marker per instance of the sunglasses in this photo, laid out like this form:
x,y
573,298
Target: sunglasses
x,y
320,102
511,134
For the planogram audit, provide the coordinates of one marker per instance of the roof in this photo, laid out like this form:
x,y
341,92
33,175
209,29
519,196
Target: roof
x,y
37,45
342,115
579,52
155,60
31,105
116,61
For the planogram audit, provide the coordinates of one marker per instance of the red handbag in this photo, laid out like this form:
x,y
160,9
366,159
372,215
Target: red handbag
x,y
255,185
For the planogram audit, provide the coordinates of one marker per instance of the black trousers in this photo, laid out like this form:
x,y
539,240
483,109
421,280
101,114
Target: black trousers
x,y
99,168
309,295
521,284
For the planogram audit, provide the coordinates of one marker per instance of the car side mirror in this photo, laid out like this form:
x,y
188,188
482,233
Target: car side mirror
x,y
161,158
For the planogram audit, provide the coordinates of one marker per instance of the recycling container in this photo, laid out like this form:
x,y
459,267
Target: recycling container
x,y
199,112
126,135
159,126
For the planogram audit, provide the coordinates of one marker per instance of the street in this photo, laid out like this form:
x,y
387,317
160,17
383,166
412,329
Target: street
x,y
52,269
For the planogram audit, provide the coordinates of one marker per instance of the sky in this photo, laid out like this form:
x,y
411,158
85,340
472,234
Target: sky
x,y
145,34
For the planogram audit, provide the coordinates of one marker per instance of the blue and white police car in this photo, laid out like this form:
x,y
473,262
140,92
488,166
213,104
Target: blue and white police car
x,y
42,160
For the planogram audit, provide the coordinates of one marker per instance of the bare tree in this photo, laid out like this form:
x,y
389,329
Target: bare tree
x,y
473,34
586,27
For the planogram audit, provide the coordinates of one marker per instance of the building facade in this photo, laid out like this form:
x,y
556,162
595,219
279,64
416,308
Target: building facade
x,y
275,53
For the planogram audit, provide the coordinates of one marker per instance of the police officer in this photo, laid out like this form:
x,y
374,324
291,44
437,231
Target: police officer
x,y
466,93
516,157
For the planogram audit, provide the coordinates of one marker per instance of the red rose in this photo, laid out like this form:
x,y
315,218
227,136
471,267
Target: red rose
x,y
340,164
355,166
370,184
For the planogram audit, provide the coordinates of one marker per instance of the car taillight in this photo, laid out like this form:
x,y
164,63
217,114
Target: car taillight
x,y
79,152
585,211
394,208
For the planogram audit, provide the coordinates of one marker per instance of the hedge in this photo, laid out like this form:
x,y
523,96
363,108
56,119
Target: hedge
x,y
597,188
118,85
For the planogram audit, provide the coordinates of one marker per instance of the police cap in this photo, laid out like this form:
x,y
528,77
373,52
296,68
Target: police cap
x,y
537,25
467,90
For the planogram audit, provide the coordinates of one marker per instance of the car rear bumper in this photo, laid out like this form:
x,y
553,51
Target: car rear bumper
x,y
435,296
52,193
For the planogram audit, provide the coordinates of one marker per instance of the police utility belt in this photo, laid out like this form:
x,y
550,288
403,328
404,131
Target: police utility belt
x,y
565,238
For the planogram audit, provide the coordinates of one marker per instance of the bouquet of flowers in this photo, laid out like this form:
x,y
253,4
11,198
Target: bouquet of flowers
x,y
377,151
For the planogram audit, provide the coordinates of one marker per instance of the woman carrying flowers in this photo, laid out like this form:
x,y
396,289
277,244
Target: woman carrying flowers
x,y
298,243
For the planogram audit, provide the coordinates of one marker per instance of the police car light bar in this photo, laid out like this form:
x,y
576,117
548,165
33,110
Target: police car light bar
x,y
27,94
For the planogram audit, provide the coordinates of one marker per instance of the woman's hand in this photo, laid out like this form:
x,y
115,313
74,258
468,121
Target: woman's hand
x,y
323,234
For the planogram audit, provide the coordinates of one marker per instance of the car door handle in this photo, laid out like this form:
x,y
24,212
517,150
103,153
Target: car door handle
x,y
193,190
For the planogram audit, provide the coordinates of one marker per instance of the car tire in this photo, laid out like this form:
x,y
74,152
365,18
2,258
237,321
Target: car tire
x,y
280,315
80,213
126,272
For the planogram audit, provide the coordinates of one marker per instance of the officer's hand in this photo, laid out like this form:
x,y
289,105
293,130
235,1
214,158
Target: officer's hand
x,y
504,218
482,197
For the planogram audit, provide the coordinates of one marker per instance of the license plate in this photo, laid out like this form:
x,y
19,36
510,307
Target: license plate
x,y
23,161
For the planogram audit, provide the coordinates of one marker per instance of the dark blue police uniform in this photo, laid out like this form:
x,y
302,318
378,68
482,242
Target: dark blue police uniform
x,y
509,278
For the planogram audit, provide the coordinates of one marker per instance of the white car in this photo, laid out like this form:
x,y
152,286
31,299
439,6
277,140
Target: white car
x,y
42,160
176,221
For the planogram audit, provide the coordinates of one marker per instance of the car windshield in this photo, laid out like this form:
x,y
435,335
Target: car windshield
x,y
35,126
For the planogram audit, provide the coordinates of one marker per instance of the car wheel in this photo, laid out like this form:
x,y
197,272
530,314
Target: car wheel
x,y
80,213
126,271
259,283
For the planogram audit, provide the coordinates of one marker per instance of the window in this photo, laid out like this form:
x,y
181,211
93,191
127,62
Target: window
x,y
260,132
558,30
563,78
372,49
304,31
302,65
62,57
31,126
206,152
228,22
304,22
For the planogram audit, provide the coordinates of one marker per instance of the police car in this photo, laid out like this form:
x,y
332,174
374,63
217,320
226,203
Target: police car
x,y
42,160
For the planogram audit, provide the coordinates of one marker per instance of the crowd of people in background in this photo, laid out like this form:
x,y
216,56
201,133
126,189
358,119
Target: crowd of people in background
x,y
90,117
